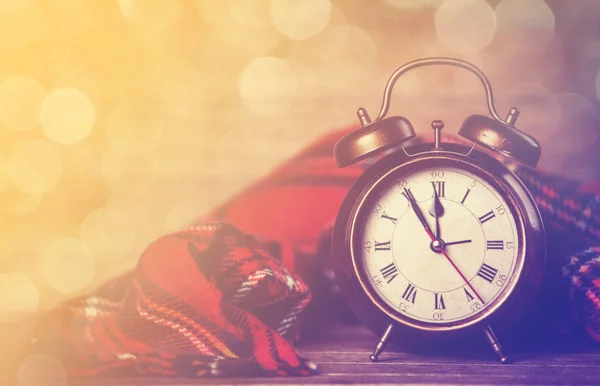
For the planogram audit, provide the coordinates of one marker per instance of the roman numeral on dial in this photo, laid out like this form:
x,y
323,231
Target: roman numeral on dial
x,y
410,293
383,246
468,294
440,188
487,273
392,219
465,196
389,272
495,244
487,217
408,195
439,302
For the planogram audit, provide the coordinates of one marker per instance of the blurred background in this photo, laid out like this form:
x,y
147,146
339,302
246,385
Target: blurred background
x,y
121,120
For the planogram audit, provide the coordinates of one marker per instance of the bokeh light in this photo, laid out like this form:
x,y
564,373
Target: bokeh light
x,y
231,37
528,25
24,296
152,13
251,13
347,61
67,116
579,124
17,203
540,110
465,26
411,4
129,132
67,265
4,178
300,19
267,86
20,101
108,234
21,23
35,166
123,120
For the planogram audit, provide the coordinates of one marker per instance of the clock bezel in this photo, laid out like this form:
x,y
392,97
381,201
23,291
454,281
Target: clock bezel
x,y
517,294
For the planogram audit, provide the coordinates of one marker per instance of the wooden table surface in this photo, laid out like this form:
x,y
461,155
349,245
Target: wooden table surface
x,y
343,358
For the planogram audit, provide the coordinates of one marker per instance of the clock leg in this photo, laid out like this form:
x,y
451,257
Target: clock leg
x,y
491,337
382,343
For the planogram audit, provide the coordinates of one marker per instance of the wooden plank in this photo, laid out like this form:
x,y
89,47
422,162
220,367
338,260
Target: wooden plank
x,y
342,357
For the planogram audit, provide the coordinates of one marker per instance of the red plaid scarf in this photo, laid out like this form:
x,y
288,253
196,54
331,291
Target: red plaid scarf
x,y
212,300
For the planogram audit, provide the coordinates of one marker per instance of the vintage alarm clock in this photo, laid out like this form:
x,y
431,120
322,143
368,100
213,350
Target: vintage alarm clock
x,y
437,241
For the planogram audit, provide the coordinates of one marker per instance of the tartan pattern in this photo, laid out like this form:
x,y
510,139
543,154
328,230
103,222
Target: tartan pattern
x,y
211,300
204,301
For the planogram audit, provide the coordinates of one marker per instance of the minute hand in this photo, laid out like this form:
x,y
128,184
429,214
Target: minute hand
x,y
418,212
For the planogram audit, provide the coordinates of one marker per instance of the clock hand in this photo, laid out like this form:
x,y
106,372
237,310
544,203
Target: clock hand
x,y
457,242
443,251
418,213
423,220
436,210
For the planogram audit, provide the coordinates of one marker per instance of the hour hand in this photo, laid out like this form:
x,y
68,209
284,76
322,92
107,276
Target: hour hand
x,y
436,210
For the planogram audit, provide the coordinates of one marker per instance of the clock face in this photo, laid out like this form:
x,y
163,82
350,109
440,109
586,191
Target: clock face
x,y
450,265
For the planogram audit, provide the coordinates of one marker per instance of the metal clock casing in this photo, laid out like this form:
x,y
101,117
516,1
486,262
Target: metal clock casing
x,y
518,292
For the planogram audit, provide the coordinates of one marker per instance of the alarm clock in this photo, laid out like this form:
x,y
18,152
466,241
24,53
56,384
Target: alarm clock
x,y
437,241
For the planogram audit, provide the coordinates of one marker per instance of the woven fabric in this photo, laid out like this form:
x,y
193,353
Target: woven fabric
x,y
208,300
219,299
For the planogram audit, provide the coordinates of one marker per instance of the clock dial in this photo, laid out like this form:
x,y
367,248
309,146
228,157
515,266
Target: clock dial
x,y
457,267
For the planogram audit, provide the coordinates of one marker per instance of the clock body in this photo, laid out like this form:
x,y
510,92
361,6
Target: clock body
x,y
391,272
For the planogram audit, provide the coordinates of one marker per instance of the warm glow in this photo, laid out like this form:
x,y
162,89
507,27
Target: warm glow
x,y
527,24
21,23
123,120
67,116
579,124
17,203
267,86
300,19
152,13
108,233
411,4
37,367
465,26
540,110
129,132
35,166
20,101
347,61
67,265
251,13
4,178
19,297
